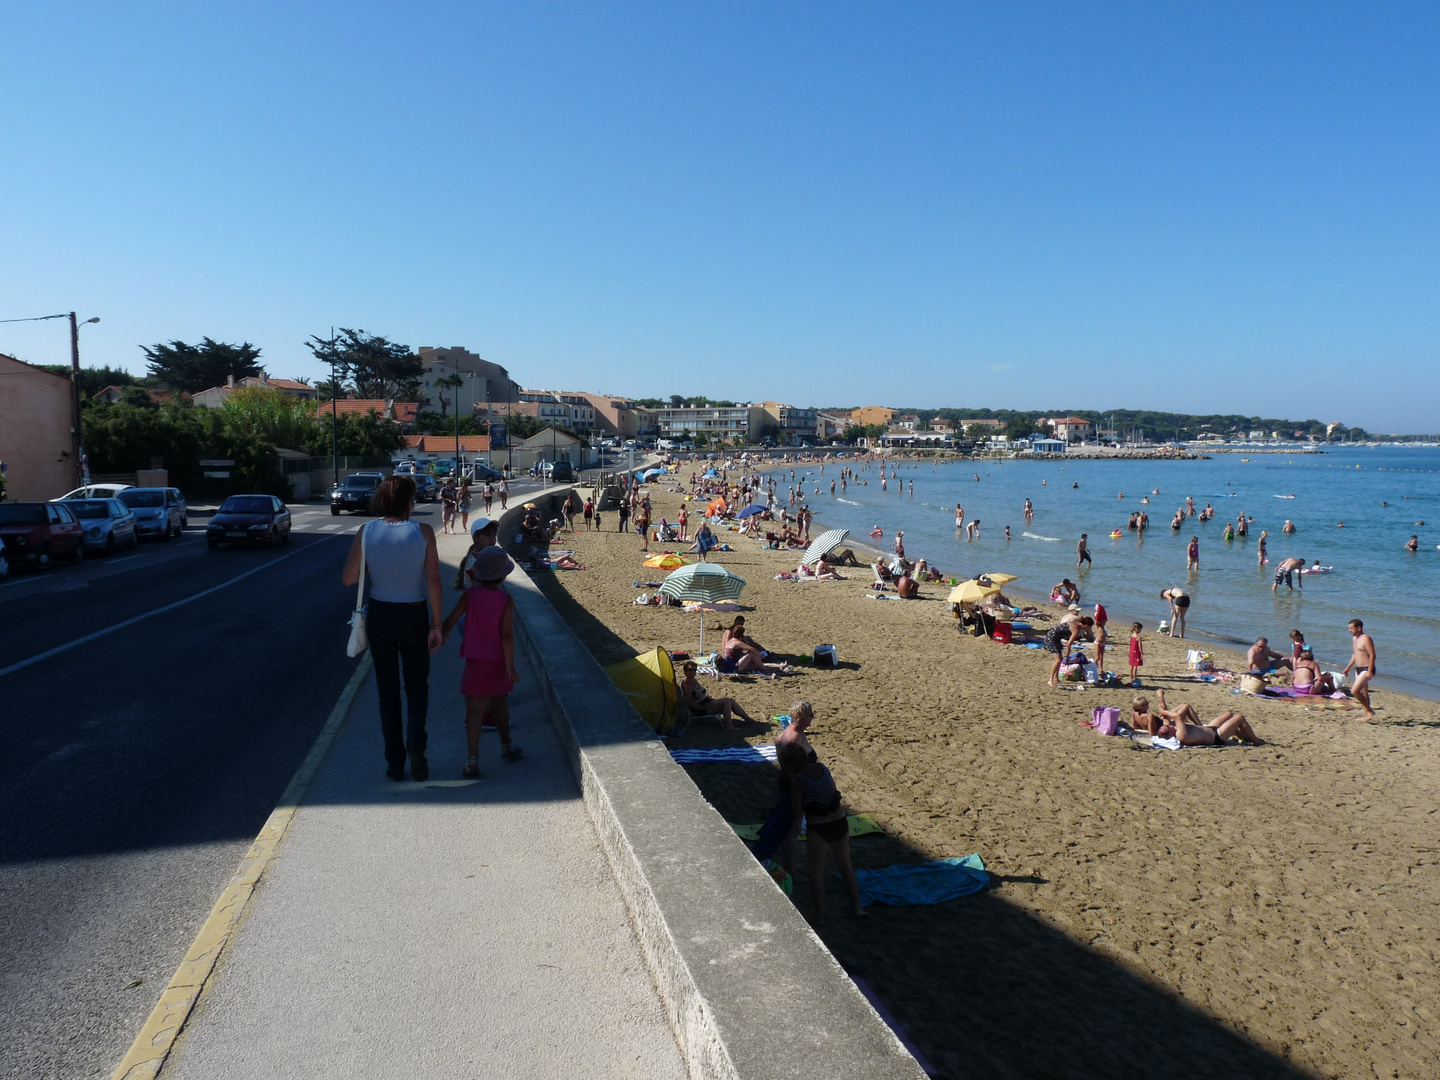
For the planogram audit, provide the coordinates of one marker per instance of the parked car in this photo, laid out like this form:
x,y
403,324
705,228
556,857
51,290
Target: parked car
x,y
97,491
39,533
426,489
107,523
250,519
159,512
355,492
480,473
444,466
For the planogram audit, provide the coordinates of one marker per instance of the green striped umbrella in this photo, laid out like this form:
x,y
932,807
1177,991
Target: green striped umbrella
x,y
702,583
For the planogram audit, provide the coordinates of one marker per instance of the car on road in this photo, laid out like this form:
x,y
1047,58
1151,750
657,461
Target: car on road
x,y
107,523
250,519
480,473
97,491
39,533
426,489
561,472
354,493
444,466
159,512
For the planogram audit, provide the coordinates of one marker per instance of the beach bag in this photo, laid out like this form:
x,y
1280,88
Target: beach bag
x,y
1200,661
1252,684
825,656
1105,719
359,636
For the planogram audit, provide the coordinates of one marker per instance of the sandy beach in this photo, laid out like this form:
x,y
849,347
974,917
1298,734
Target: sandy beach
x,y
1266,911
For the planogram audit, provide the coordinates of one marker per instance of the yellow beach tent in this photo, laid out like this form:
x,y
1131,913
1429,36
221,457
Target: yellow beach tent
x,y
648,683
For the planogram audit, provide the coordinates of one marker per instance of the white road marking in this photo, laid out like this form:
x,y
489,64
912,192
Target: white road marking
x,y
140,618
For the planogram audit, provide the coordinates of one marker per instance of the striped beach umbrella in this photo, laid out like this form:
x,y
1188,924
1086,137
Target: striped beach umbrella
x,y
823,544
702,583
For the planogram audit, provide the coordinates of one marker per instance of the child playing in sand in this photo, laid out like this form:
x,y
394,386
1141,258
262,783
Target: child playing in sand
x,y
489,651
1137,652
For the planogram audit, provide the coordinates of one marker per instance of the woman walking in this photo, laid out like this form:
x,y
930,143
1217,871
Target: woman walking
x,y
447,506
463,502
404,618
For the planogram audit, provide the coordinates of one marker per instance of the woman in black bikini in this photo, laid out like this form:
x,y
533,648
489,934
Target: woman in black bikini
x,y
813,794
1183,723
700,703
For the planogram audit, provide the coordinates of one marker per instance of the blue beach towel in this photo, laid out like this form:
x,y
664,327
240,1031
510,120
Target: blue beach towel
x,y
752,754
914,884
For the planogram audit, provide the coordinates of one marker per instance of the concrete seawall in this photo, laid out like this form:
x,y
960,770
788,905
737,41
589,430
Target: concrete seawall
x,y
750,990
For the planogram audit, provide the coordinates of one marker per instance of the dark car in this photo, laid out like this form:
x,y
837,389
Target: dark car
x,y
354,493
562,472
426,489
481,473
249,519
39,533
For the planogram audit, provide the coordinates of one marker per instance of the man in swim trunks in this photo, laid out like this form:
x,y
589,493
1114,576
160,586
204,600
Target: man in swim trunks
x,y
1285,574
1363,661
1413,544
1263,660
1183,723
1082,551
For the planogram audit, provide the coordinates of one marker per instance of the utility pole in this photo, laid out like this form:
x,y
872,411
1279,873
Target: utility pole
x,y
334,410
75,399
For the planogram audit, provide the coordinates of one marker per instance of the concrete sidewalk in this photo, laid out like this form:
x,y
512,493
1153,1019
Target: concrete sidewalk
x,y
452,929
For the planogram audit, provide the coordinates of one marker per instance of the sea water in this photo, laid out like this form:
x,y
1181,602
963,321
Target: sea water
x,y
1381,495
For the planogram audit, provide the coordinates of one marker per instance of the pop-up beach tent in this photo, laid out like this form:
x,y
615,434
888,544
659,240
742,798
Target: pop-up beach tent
x,y
648,683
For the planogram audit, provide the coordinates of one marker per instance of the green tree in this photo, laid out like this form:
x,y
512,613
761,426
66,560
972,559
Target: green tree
x,y
270,415
378,367
453,381
95,379
193,368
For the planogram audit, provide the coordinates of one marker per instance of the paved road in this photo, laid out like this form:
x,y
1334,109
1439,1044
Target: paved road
x,y
141,764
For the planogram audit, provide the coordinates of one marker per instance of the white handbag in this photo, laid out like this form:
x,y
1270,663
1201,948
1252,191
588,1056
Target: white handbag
x,y
359,637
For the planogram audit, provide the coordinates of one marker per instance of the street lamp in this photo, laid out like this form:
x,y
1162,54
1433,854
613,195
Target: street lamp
x,y
82,468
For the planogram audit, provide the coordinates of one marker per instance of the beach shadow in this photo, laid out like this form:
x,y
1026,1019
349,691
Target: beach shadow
x,y
988,988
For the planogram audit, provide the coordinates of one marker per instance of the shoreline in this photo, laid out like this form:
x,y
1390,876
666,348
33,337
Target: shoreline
x,y
955,745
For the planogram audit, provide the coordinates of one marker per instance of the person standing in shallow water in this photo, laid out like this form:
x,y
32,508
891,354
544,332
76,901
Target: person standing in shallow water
x,y
403,569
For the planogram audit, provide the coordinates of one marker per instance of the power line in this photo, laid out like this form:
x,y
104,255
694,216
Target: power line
x,y
38,318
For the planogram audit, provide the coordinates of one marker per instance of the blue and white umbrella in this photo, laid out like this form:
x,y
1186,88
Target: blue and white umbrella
x,y
823,544
750,511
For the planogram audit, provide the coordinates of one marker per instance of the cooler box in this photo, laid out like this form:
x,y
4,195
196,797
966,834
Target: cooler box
x,y
1002,632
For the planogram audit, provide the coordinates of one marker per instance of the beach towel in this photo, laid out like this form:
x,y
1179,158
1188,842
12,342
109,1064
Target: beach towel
x,y
860,825
1164,744
755,755
914,884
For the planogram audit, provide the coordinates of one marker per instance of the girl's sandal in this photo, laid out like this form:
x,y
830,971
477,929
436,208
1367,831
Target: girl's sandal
x,y
472,768
509,751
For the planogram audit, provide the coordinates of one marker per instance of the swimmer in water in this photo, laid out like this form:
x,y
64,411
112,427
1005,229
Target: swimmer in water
x,y
1413,544
1288,527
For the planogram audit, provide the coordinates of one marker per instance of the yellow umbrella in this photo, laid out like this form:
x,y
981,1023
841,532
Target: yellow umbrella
x,y
999,579
971,592
665,561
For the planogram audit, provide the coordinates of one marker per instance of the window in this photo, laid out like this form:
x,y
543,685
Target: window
x,y
55,518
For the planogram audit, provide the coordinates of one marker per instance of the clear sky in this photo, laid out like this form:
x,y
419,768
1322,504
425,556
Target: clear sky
x,y
1213,207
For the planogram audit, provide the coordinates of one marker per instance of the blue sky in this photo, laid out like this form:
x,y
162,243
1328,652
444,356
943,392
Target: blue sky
x,y
1198,207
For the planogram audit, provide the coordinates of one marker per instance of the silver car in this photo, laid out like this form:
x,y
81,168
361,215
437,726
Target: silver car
x,y
107,524
159,512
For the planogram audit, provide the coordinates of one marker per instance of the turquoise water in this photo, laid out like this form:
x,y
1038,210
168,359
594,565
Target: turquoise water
x,y
1375,578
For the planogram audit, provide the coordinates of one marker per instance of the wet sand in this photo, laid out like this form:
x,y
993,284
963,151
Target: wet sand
x,y
1236,911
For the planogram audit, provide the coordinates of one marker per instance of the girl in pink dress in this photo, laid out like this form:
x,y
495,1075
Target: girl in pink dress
x,y
489,651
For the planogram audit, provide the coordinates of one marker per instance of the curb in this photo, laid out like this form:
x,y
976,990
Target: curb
x,y
151,1049
730,955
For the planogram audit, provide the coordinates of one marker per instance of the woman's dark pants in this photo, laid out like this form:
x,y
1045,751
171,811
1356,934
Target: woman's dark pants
x,y
399,636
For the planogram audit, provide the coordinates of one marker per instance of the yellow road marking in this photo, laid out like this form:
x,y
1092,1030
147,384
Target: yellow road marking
x,y
151,1048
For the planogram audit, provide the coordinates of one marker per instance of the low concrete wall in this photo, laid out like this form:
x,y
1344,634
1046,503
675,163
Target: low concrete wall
x,y
750,990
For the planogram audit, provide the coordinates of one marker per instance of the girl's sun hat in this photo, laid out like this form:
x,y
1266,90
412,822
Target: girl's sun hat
x,y
491,564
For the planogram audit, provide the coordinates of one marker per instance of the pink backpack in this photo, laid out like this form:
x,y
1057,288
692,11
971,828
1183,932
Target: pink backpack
x,y
1105,719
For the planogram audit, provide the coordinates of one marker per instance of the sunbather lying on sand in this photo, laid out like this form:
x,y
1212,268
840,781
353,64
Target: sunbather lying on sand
x,y
1183,723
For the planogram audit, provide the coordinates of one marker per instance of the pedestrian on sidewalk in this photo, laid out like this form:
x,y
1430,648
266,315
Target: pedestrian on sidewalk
x,y
463,500
403,618
447,505
504,490
488,647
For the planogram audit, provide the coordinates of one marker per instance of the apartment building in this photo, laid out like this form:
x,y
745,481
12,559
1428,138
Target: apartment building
x,y
796,425
716,422
480,381
621,416
567,408
872,414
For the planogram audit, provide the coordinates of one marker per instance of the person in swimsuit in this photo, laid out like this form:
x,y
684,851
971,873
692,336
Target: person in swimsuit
x,y
1183,723
813,794
700,703
1308,676
1264,536
1192,554
1363,661
1061,638
745,654
1179,605
1284,574
1263,660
